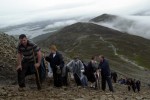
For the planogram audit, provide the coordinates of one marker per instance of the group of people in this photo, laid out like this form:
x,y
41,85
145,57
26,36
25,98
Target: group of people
x,y
133,84
29,61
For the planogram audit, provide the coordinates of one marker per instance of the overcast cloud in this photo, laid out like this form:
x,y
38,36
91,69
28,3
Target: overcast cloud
x,y
13,12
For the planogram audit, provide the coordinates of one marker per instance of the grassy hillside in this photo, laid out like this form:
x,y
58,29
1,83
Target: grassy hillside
x,y
87,39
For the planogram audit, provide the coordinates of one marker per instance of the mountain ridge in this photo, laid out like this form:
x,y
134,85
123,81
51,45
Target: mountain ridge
x,y
88,39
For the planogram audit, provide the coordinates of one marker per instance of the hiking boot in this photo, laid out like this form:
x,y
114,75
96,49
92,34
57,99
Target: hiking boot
x,y
21,89
39,87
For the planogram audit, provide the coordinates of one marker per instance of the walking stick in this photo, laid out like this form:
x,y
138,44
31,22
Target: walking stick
x,y
98,79
37,72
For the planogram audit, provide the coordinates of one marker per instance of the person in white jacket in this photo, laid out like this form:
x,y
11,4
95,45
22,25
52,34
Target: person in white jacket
x,y
77,68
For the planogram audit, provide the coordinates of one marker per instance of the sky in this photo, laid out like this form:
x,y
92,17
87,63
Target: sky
x,y
13,12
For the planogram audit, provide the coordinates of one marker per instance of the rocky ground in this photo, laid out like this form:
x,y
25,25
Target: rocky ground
x,y
72,92
7,56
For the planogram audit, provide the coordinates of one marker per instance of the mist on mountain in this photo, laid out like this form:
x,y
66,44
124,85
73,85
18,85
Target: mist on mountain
x,y
133,24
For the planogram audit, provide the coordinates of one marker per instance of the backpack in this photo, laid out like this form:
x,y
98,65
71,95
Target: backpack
x,y
42,71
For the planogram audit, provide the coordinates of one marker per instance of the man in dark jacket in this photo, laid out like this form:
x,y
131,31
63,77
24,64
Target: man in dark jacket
x,y
105,73
56,63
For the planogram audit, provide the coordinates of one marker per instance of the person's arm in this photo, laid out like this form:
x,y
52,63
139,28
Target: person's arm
x,y
39,55
19,59
61,61
70,65
47,58
81,66
36,50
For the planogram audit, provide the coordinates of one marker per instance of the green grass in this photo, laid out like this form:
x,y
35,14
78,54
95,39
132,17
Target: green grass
x,y
84,40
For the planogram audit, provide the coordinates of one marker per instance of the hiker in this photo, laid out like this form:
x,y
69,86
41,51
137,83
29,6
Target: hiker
x,y
77,67
122,81
56,62
133,85
114,76
27,53
128,83
91,70
105,73
138,85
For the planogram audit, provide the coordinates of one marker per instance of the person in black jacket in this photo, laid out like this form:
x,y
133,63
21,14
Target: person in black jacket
x,y
138,85
114,76
91,69
105,73
133,85
56,63
128,83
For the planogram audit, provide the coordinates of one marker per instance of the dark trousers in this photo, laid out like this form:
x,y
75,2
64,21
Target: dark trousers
x,y
115,79
129,88
133,87
65,78
138,88
57,79
108,80
77,80
27,69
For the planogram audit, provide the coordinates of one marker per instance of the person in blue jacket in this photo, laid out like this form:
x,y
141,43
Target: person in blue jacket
x,y
105,73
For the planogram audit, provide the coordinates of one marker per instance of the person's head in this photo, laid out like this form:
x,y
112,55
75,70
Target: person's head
x,y
23,39
76,57
101,58
53,48
93,58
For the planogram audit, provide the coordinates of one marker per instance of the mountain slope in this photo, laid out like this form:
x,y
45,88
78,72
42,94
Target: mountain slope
x,y
125,52
7,56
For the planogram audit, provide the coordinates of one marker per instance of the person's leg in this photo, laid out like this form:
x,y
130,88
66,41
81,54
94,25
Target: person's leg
x,y
65,78
22,74
115,79
133,87
108,79
103,83
59,80
84,81
55,79
139,88
77,80
38,82
129,88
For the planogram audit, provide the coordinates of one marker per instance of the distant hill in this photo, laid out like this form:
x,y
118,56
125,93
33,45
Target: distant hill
x,y
128,54
104,18
41,37
133,24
